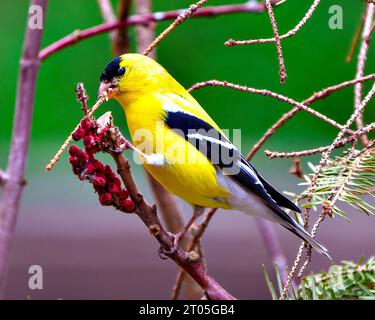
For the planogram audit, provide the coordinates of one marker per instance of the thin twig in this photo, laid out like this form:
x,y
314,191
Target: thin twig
x,y
355,39
296,170
80,35
11,195
328,206
69,139
289,34
181,275
268,93
312,185
82,97
180,19
289,115
326,154
196,239
323,161
339,144
352,118
292,271
282,72
362,57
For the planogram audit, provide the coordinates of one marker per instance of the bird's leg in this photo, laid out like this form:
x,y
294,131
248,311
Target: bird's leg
x,y
198,211
155,159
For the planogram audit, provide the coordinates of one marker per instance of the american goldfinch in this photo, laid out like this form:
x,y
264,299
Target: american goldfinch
x,y
183,148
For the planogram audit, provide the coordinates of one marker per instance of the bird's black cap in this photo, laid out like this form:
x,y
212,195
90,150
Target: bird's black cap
x,y
112,70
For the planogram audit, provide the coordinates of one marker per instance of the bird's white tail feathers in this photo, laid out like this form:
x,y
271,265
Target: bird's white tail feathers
x,y
305,236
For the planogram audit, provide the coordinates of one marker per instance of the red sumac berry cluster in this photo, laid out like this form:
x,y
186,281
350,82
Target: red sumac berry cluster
x,y
87,167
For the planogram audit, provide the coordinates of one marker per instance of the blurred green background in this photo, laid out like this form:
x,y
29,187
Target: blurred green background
x,y
315,58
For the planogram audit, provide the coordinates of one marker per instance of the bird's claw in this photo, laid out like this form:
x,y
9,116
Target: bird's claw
x,y
118,150
122,148
164,253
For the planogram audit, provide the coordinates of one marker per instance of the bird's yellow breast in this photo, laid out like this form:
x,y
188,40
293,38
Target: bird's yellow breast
x,y
187,173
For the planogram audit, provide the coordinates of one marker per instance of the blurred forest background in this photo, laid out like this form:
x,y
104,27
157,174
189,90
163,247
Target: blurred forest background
x,y
88,251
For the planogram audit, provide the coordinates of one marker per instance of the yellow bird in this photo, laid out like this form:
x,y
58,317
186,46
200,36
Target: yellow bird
x,y
185,150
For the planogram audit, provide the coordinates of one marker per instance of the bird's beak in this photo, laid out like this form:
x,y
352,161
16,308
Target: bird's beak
x,y
107,87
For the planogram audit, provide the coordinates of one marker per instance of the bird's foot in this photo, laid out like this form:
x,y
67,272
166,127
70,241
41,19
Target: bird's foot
x,y
123,147
164,253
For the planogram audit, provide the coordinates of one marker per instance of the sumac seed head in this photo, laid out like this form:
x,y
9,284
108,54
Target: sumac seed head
x,y
74,161
114,189
74,151
90,168
88,141
98,165
128,205
99,181
106,199
85,124
78,134
124,194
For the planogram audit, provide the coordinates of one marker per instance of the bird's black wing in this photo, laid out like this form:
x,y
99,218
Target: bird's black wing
x,y
218,149
280,199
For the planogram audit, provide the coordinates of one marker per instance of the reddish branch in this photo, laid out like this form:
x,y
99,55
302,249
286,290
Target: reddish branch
x,y
282,72
290,33
180,19
268,93
11,195
315,97
77,36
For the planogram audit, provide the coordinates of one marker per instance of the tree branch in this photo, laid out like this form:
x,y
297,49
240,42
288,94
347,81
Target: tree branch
x,y
79,35
149,217
289,34
315,97
362,57
10,200
194,243
311,187
339,144
282,72
268,93
180,19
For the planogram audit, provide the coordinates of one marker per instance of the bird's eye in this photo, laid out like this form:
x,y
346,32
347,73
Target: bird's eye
x,y
121,72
